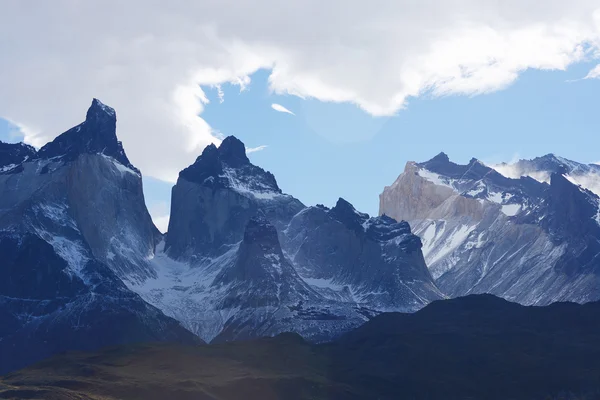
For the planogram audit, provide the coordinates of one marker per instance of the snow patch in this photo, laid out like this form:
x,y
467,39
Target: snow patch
x,y
72,251
57,213
8,167
495,197
450,243
511,209
120,167
477,243
264,192
434,178
323,283
476,190
275,261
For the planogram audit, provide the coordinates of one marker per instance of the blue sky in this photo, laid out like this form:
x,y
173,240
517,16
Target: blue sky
x,y
330,150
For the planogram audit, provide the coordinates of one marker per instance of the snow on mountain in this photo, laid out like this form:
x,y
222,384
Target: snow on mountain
x,y
73,227
528,240
242,259
541,169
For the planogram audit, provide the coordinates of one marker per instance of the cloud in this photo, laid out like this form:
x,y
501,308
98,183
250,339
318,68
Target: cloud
x,y
594,73
159,211
255,149
280,108
162,223
149,59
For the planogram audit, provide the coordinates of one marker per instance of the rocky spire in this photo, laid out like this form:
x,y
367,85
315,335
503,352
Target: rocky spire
x,y
96,135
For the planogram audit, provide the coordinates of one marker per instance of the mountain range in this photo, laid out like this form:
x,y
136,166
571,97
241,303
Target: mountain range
x,y
534,239
84,267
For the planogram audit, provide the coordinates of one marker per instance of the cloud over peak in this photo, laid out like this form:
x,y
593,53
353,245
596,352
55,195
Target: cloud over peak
x,y
149,59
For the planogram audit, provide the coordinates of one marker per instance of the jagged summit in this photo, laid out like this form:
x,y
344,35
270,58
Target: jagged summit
x,y
527,231
96,135
347,214
572,210
227,166
13,154
100,110
233,152
441,157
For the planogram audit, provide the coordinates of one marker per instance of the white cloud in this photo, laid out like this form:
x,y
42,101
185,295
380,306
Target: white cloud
x,y
159,211
255,149
148,58
594,73
162,223
280,108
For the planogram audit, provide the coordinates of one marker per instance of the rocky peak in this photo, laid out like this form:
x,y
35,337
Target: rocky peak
x,y
441,158
13,154
573,209
345,213
101,114
233,152
260,258
207,165
96,135
228,167
384,228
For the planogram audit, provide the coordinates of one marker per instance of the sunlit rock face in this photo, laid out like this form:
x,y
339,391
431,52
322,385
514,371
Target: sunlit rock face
x,y
527,240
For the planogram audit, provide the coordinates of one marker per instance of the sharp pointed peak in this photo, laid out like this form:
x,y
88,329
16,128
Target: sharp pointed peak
x,y
344,205
100,110
441,159
96,135
441,156
233,152
345,212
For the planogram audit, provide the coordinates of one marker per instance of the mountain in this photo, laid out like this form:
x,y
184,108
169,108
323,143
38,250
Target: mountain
x,y
73,228
530,241
242,259
13,154
476,347
542,168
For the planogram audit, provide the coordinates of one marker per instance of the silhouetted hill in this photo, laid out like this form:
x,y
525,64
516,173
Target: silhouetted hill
x,y
476,347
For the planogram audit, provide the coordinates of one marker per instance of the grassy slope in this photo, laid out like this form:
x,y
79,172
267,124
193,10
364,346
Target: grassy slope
x,y
478,347
283,367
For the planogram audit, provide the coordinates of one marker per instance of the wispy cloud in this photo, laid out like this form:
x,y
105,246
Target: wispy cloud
x,y
255,149
220,93
594,73
280,108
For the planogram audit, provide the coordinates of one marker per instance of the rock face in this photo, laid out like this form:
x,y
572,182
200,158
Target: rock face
x,y
215,198
73,229
526,240
12,155
242,259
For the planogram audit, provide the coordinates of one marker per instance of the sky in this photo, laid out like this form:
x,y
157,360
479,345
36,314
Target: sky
x,y
333,98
